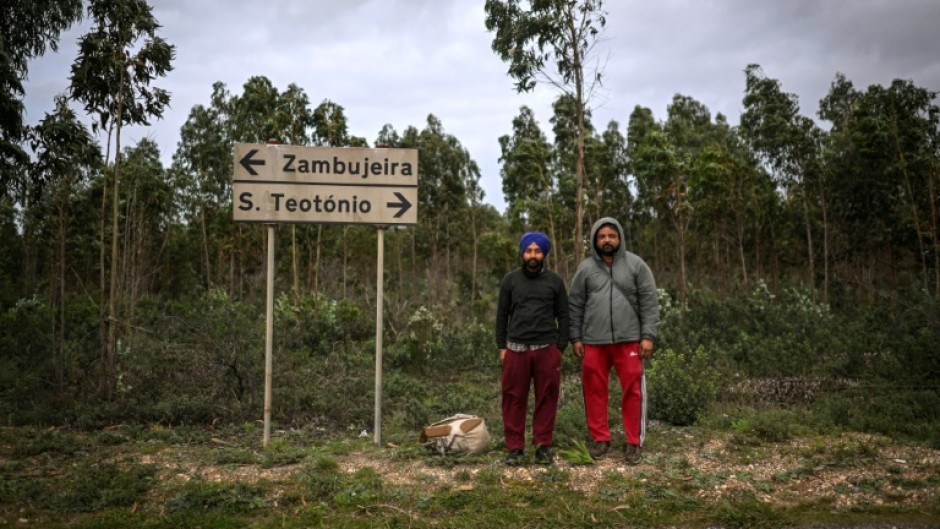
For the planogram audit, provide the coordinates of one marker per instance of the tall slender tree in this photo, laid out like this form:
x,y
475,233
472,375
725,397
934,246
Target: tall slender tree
x,y
553,42
202,167
66,154
526,159
117,62
787,142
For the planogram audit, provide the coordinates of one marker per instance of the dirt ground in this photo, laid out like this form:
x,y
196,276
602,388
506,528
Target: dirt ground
x,y
849,470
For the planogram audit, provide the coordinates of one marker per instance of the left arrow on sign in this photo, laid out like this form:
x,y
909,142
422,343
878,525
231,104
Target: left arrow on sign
x,y
247,162
403,205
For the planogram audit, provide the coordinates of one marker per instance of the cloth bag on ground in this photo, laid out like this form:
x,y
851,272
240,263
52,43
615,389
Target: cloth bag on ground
x,y
456,435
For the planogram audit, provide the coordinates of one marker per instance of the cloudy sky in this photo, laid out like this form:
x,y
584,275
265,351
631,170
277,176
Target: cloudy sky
x,y
396,61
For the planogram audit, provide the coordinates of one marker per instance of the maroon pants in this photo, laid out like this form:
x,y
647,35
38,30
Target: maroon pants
x,y
595,370
520,369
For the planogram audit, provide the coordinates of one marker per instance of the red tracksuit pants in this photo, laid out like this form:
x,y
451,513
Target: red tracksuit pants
x,y
520,370
595,372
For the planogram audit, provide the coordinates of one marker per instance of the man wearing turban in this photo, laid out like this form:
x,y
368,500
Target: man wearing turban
x,y
531,333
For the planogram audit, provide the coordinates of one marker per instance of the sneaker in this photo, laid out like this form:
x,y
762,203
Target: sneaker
x,y
514,457
599,449
631,453
544,455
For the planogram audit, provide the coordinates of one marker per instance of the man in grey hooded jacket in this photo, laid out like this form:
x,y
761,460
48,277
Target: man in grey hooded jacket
x,y
614,315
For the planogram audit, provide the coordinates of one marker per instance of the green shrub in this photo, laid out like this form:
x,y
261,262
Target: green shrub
x,y
95,487
886,409
231,498
322,480
364,487
681,385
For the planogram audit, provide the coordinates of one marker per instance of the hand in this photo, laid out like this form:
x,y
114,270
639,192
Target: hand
x,y
502,356
578,349
646,348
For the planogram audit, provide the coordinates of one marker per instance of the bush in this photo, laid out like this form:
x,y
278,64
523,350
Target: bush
x,y
892,411
681,385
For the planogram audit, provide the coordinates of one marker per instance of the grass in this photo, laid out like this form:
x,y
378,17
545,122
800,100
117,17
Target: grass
x,y
156,477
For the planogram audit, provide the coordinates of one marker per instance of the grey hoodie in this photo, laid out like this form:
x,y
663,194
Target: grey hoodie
x,y
616,303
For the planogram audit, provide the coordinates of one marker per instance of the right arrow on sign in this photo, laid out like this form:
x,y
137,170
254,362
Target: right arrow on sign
x,y
403,205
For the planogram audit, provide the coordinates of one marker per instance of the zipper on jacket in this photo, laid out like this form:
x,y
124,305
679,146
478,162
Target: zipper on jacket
x,y
610,269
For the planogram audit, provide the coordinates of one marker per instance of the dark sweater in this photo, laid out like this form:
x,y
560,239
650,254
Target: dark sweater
x,y
532,310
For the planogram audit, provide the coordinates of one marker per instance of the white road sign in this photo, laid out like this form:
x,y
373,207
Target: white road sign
x,y
345,185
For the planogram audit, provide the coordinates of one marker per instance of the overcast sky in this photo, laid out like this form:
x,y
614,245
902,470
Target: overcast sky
x,y
396,61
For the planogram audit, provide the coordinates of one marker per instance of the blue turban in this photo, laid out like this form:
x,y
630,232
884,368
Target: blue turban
x,y
536,237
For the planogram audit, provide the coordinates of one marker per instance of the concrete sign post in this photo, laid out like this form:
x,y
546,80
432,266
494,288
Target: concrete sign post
x,y
276,183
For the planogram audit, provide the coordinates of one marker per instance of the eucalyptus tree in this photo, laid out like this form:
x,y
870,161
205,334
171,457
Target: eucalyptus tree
x,y
442,196
254,111
149,212
723,189
567,131
66,155
526,158
640,125
610,181
788,143
27,29
882,151
387,136
117,62
689,130
664,159
663,169
471,182
553,42
202,167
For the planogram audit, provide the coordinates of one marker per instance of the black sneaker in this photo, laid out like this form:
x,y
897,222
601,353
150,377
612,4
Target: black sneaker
x,y
544,455
514,457
631,453
599,449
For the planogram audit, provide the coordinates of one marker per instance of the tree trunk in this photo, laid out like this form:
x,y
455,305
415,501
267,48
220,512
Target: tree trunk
x,y
473,268
825,226
29,243
932,193
108,381
809,244
681,225
205,247
682,279
102,288
912,203
578,69
61,364
739,228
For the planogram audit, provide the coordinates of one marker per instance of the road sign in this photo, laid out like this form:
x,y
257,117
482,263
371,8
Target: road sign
x,y
345,185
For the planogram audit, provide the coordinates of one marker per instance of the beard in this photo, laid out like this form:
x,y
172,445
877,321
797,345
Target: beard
x,y
532,266
609,249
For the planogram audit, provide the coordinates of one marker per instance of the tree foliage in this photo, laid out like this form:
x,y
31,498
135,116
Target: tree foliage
x,y
553,41
27,29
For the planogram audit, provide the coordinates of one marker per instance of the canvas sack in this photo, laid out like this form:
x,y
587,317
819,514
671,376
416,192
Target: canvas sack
x,y
457,435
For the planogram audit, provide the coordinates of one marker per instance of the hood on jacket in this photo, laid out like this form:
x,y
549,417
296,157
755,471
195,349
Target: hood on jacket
x,y
597,226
